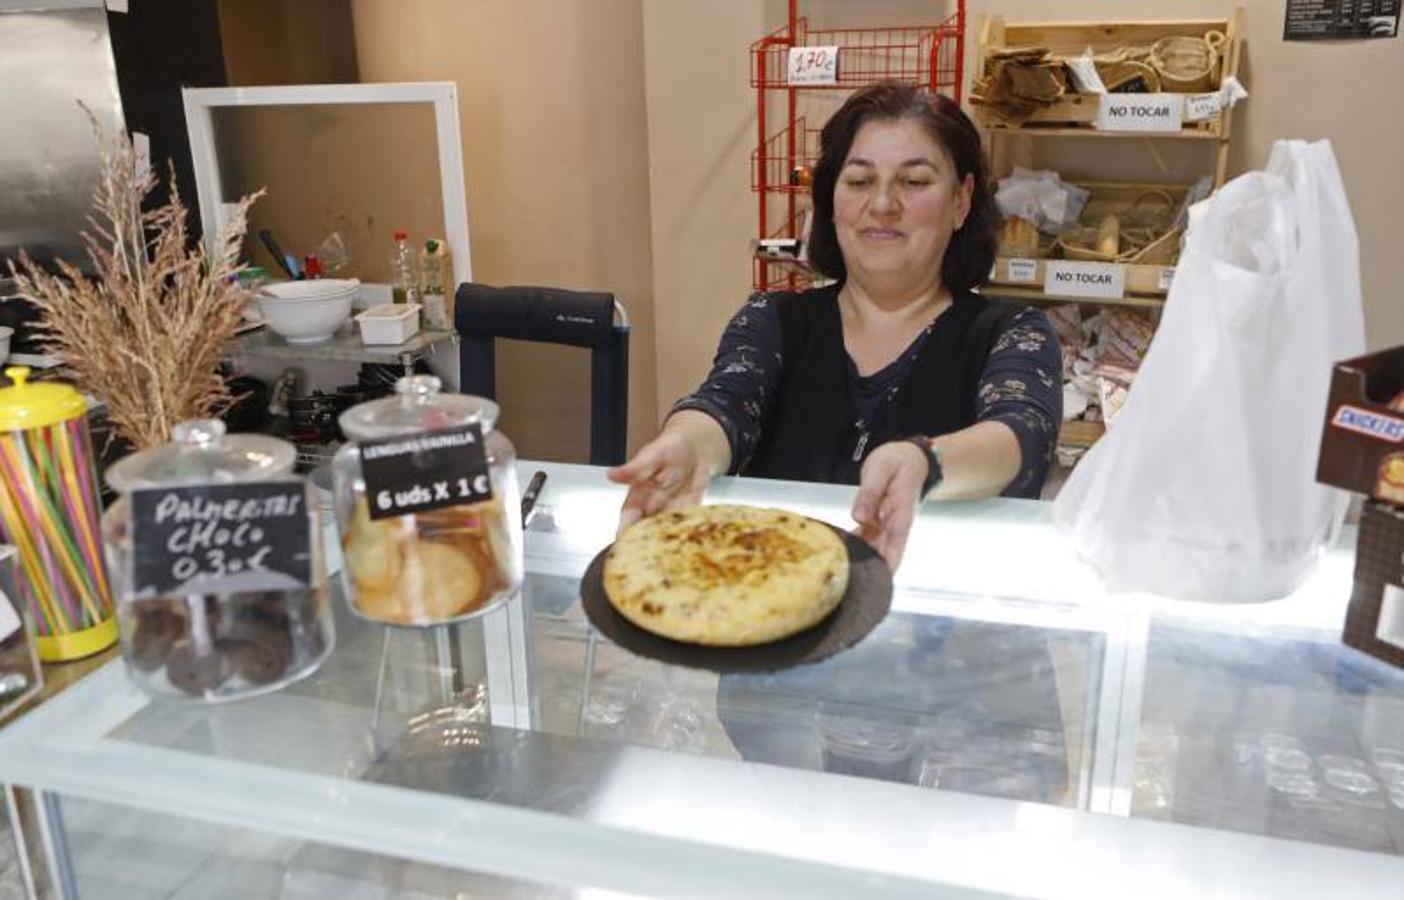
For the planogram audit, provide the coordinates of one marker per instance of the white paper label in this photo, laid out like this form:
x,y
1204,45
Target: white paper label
x,y
1167,275
141,149
1062,278
1391,625
1140,112
9,619
1023,270
1199,107
117,6
813,65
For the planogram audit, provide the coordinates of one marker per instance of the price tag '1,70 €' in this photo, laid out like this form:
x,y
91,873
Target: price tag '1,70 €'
x,y
813,65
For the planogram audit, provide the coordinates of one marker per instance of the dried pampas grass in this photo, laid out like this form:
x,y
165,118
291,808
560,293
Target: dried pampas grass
x,y
146,336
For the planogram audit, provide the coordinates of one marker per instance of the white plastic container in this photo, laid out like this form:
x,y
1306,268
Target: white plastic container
x,y
389,323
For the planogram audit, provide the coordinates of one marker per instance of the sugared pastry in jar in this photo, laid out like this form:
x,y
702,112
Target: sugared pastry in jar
x,y
382,605
427,567
371,550
439,581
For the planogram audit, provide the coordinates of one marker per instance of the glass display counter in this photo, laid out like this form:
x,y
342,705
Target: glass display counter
x,y
1009,730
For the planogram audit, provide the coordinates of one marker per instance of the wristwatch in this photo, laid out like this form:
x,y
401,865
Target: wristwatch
x,y
934,475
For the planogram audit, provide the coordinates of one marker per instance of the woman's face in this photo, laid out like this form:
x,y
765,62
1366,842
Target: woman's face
x,y
896,204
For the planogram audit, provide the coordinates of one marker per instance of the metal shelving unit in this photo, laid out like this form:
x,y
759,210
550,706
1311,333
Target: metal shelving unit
x,y
928,55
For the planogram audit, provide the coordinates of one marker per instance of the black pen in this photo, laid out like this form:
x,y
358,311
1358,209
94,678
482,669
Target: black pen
x,y
533,491
277,253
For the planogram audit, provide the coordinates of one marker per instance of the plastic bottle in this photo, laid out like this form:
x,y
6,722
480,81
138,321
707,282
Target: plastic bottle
x,y
403,284
436,285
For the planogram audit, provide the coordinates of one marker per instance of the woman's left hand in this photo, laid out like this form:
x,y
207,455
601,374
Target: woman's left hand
x,y
889,488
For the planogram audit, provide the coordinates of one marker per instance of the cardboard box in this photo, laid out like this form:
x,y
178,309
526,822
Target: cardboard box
x,y
1375,618
1362,439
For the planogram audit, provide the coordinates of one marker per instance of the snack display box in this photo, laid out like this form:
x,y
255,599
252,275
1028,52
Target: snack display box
x,y
1362,439
1362,450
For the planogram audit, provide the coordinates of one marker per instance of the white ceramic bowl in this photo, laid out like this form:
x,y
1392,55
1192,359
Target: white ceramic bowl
x,y
307,312
6,332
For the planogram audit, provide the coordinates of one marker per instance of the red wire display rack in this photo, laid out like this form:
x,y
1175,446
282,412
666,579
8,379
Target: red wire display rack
x,y
785,157
931,56
779,272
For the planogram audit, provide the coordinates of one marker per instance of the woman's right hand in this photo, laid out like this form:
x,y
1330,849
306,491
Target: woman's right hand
x,y
674,469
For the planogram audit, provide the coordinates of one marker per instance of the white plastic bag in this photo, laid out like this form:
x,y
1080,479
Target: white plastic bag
x,y
1205,488
1041,197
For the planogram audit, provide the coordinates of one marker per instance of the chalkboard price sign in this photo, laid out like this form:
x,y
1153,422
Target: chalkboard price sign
x,y
425,471
220,539
1308,20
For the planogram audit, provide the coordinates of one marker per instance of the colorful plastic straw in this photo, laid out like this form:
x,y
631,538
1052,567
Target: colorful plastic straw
x,y
49,511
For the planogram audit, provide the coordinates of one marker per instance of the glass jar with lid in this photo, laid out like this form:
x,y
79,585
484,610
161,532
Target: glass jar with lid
x,y
215,548
428,505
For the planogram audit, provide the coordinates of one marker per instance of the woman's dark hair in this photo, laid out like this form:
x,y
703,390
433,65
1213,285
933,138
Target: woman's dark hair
x,y
972,249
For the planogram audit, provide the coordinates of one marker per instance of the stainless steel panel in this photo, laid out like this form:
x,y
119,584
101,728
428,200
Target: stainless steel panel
x,y
50,59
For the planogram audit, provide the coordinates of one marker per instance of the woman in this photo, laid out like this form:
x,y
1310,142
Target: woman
x,y
896,377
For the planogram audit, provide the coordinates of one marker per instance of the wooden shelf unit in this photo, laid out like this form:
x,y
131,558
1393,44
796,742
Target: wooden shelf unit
x,y
1073,117
1146,283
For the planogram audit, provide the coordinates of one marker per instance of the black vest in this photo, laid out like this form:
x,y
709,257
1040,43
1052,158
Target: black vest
x,y
812,431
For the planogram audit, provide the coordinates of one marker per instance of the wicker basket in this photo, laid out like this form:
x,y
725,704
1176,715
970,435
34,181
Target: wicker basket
x,y
1160,250
1188,65
1147,236
1163,251
1080,243
1121,55
1117,75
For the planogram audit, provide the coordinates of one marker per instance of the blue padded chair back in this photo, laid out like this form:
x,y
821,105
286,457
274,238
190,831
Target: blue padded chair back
x,y
550,315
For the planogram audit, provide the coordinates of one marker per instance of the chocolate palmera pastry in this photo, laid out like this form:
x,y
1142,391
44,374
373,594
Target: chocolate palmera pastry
x,y
270,607
158,626
195,673
257,652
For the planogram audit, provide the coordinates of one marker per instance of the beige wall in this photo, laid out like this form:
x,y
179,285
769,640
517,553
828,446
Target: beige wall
x,y
551,107
701,126
701,130
607,145
275,42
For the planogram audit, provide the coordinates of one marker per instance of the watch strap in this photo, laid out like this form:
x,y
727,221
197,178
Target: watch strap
x,y
934,474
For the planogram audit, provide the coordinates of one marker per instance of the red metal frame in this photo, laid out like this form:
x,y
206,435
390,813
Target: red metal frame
x,y
781,154
776,275
932,56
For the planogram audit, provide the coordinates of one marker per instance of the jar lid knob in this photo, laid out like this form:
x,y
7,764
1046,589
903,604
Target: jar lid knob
x,y
198,434
18,374
416,389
